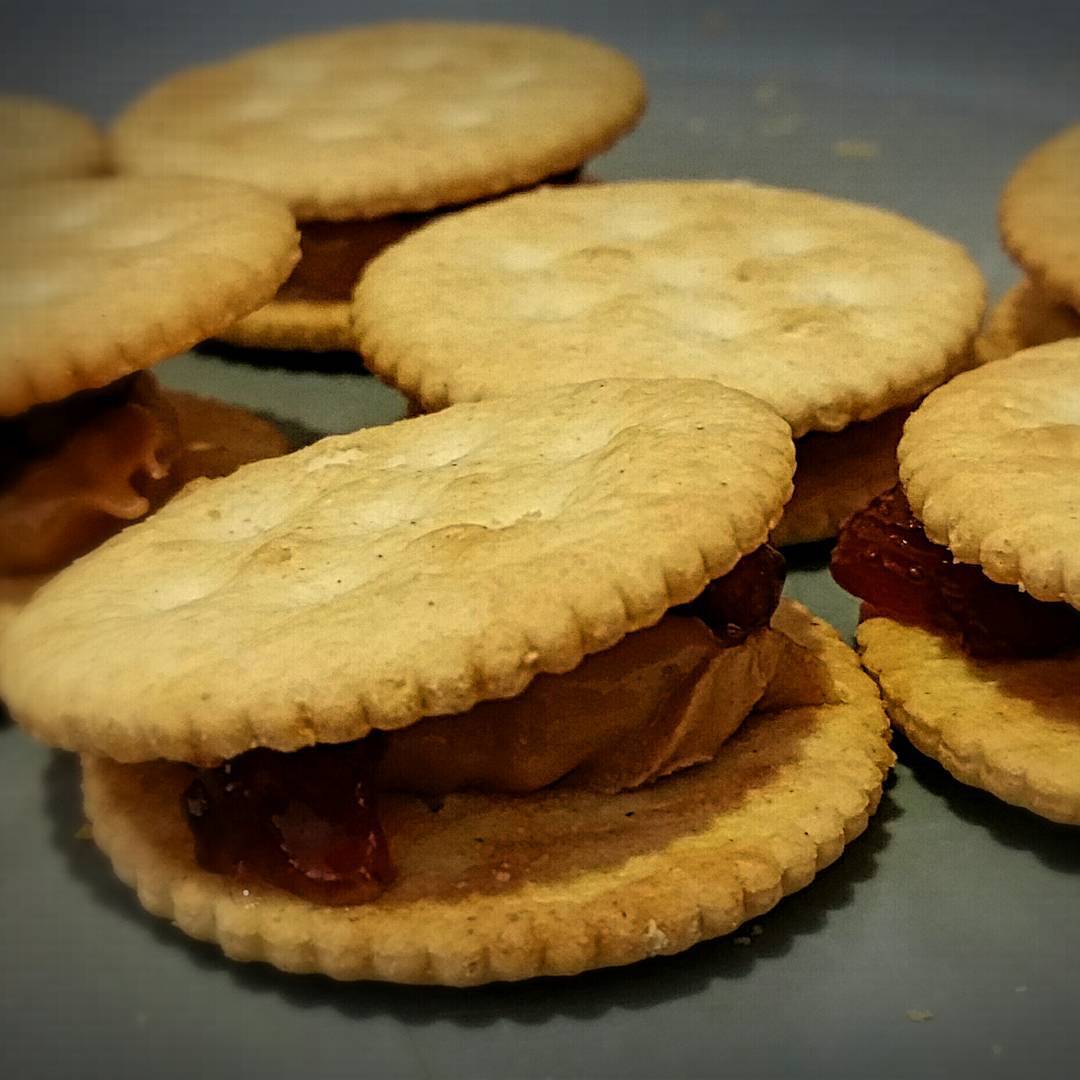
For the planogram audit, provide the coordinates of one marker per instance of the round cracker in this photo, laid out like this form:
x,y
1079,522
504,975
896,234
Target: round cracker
x,y
216,440
1010,727
107,276
403,116
40,140
1024,317
398,572
989,464
1039,216
498,888
837,473
828,310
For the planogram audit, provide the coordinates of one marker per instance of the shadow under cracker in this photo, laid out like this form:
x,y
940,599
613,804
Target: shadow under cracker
x,y
318,363
1054,844
592,994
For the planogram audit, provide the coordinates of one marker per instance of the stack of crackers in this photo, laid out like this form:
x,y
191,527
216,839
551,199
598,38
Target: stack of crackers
x,y
510,688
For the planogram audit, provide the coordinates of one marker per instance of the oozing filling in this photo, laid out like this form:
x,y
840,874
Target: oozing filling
x,y
662,699
74,472
334,253
884,557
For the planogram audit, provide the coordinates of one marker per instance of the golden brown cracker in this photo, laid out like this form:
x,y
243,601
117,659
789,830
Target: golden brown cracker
x,y
376,120
837,473
1022,318
107,276
828,310
1039,216
399,572
991,467
40,140
501,888
1010,727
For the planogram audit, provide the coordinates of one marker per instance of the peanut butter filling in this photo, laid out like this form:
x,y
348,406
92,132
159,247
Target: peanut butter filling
x,y
74,475
661,700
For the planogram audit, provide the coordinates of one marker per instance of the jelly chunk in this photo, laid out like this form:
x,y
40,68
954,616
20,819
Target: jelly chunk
x,y
305,821
883,556
744,599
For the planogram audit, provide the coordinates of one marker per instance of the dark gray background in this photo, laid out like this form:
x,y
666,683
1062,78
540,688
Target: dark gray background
x,y
951,904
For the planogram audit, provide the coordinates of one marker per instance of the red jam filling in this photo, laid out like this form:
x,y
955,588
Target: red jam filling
x,y
307,821
884,557
743,600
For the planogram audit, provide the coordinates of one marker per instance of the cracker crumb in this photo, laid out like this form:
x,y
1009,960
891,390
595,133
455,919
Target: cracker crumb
x,y
502,875
84,832
245,892
743,940
1020,990
919,1016
856,148
199,446
655,938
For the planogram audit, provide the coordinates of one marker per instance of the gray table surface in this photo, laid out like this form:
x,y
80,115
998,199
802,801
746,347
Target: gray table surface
x,y
952,904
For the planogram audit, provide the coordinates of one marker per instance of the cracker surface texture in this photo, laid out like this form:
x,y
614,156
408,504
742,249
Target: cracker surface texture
x,y
1024,317
991,467
107,276
398,572
1039,216
1010,727
500,888
837,473
365,122
828,310
40,140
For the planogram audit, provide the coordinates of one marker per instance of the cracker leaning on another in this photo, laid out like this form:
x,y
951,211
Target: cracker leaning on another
x,y
367,131
836,314
570,751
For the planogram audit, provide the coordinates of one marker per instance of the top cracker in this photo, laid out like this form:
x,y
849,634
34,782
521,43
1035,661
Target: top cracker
x,y
828,310
989,464
399,572
385,119
1040,216
108,275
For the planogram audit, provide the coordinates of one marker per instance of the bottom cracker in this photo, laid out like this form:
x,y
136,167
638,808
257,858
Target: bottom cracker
x,y
1023,318
306,325
1010,727
500,888
837,473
